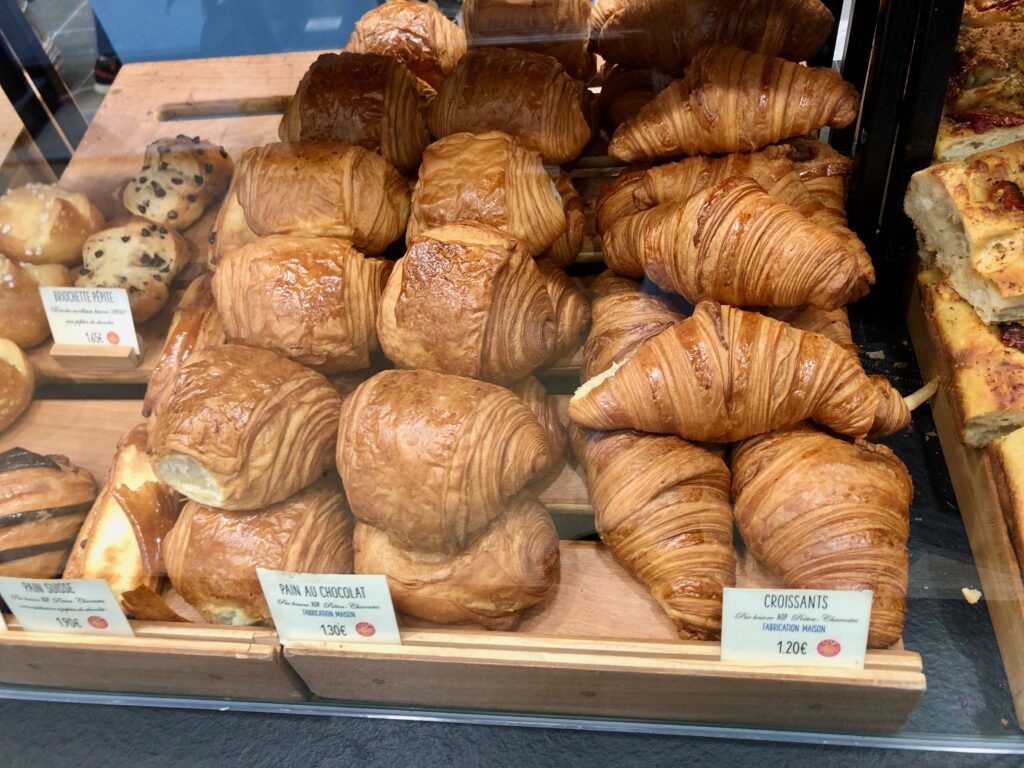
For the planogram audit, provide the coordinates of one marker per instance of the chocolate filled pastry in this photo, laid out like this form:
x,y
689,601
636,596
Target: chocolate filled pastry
x,y
121,536
572,308
488,178
43,501
545,408
432,459
17,383
212,554
324,190
242,428
415,33
44,224
230,229
21,306
364,99
468,300
511,566
312,299
566,247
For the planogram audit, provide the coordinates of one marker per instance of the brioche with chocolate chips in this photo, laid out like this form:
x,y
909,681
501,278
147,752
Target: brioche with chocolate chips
x,y
44,224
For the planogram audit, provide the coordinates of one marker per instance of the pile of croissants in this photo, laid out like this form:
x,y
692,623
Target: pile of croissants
x,y
263,413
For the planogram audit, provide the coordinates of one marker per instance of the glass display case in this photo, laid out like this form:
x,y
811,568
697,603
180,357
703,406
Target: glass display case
x,y
558,323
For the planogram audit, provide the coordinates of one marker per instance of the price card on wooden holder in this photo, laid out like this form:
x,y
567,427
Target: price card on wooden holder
x,y
795,627
72,606
317,606
96,321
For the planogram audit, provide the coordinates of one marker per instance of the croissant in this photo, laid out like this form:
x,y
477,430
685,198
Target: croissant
x,y
617,199
724,374
833,324
823,171
196,324
557,28
609,283
737,244
324,190
733,101
545,409
312,299
469,300
432,459
624,91
492,179
621,323
666,34
364,99
566,247
826,513
572,309
416,34
230,229
528,95
662,507
511,566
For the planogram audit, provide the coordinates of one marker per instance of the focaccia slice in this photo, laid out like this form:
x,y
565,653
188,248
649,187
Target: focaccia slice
x,y
1007,457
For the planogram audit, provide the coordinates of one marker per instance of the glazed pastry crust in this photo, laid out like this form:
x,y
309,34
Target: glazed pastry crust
x,y
21,306
17,383
44,224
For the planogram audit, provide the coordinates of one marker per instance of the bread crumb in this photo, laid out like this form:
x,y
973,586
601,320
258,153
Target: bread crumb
x,y
1004,721
972,596
876,355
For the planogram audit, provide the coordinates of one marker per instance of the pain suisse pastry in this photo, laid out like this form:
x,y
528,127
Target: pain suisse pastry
x,y
468,300
510,567
624,90
212,554
566,247
21,306
243,428
545,408
43,501
312,299
121,536
492,179
368,100
416,34
230,229
432,459
828,513
17,383
324,190
527,95
141,257
572,308
44,224
180,177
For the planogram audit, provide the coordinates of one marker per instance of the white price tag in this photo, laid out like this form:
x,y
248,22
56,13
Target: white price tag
x,y
94,316
795,627
318,606
72,606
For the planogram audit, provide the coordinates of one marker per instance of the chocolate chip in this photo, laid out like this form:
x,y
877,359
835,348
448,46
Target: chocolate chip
x,y
163,166
125,238
195,139
85,272
213,238
122,279
82,543
144,232
143,179
198,180
98,254
162,230
158,261
191,198
145,259
158,278
176,181
141,208
160,192
172,215
132,289
208,168
223,153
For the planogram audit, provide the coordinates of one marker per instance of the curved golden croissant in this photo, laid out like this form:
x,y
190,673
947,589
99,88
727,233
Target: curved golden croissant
x,y
666,34
833,324
242,428
826,513
734,101
724,374
432,459
557,28
566,247
491,179
617,199
364,99
417,34
624,91
528,95
324,190
311,299
823,171
468,300
511,566
608,283
621,323
737,244
572,308
545,408
662,507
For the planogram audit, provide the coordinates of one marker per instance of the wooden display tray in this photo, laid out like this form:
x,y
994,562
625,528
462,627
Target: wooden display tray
x,y
971,471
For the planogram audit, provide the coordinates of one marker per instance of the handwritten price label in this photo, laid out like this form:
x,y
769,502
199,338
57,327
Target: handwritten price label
x,y
73,606
96,316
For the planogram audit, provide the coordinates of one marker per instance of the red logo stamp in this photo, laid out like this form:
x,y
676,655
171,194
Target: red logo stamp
x,y
98,622
366,629
829,648
113,338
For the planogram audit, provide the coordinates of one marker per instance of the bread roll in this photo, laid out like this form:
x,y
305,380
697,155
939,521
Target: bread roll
x,y
44,224
324,190
17,382
468,300
510,567
432,459
492,179
364,99
21,306
140,256
415,33
566,247
572,309
43,501
312,299
242,428
180,177
212,554
121,536
528,95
